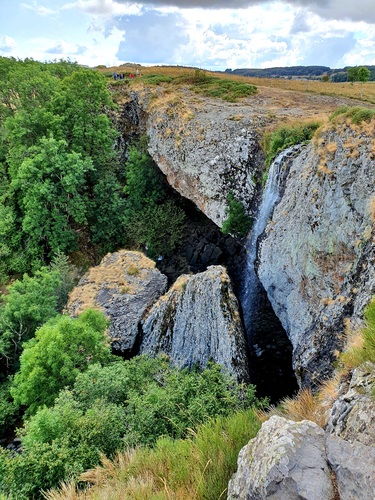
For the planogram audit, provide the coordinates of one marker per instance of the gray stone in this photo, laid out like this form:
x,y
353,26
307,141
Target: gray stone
x,y
124,286
198,320
354,467
285,461
317,257
352,414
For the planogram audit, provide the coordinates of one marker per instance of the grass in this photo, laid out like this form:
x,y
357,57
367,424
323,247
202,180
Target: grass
x,y
283,137
361,348
195,468
355,114
364,92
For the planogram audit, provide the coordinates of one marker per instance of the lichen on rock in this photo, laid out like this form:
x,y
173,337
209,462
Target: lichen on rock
x,y
124,286
197,321
285,461
317,257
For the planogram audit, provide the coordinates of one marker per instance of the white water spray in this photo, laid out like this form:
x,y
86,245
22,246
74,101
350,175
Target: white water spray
x,y
271,196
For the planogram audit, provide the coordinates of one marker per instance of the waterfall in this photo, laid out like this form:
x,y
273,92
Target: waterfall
x,y
271,195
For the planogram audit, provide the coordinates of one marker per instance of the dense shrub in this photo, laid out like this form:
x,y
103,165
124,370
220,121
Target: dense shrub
x,y
153,221
199,467
61,349
287,136
238,222
125,403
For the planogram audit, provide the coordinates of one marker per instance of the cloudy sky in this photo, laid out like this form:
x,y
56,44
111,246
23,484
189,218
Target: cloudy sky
x,y
211,34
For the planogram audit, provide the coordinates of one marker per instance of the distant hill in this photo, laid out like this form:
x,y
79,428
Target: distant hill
x,y
299,72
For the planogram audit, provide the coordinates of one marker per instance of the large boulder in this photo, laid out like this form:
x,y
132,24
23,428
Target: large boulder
x,y
351,436
124,286
196,321
285,461
317,258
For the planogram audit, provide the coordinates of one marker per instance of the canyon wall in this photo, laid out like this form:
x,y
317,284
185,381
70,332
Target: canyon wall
x,y
316,259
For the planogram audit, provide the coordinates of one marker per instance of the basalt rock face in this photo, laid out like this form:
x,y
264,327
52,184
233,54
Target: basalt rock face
x,y
350,435
317,257
285,461
205,148
124,286
196,321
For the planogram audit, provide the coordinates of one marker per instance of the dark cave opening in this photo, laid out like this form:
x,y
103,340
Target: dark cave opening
x,y
270,353
269,349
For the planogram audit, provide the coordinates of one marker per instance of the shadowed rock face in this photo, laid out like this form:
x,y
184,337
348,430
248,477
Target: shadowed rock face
x,y
124,286
316,260
198,320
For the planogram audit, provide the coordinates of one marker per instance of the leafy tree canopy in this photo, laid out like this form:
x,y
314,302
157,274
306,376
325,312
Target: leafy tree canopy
x,y
62,348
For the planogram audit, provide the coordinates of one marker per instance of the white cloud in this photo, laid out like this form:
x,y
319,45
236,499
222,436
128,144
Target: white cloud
x,y
39,9
7,44
105,7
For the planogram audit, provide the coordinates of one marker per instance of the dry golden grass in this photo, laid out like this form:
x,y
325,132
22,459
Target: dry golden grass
x,y
122,271
306,405
372,209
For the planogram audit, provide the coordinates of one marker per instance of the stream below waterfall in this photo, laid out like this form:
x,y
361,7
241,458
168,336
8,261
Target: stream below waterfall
x,y
269,347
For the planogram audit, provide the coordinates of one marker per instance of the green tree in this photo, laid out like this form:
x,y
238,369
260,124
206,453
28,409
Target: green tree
x,y
353,74
152,220
83,103
50,186
29,303
363,74
61,349
238,222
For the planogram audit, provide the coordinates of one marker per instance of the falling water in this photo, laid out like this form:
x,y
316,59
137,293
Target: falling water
x,y
271,196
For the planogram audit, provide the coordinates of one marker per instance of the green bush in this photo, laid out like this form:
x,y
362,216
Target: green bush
x,y
284,137
199,467
356,115
124,403
227,90
152,220
61,349
156,79
238,222
30,302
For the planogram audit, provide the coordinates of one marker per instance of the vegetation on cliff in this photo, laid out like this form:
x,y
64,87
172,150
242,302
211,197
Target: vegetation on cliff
x,y
109,406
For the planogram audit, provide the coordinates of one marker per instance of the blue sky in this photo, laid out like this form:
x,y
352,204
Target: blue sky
x,y
202,33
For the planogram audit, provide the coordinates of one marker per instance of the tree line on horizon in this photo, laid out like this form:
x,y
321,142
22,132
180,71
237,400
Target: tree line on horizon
x,y
310,72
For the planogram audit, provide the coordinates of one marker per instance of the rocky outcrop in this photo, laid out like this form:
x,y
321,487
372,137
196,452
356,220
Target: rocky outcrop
x,y
206,148
285,461
124,286
317,259
196,321
351,436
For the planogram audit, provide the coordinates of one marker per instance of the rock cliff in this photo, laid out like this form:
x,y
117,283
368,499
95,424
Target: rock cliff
x,y
299,460
198,320
205,148
317,258
124,286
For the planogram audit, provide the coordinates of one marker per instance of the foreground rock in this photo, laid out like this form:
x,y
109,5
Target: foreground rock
x,y
198,320
124,286
317,260
351,437
285,461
